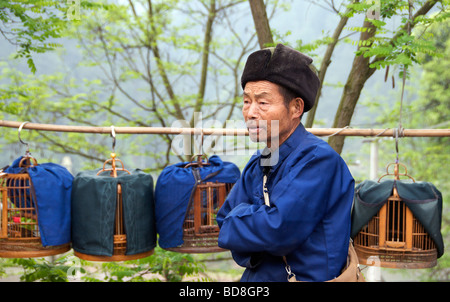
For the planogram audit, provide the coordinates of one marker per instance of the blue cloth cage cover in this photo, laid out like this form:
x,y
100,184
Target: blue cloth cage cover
x,y
37,198
178,188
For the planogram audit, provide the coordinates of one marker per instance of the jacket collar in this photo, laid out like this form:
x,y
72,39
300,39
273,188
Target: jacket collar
x,y
273,158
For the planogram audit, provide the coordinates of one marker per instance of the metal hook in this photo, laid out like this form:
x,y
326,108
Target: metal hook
x,y
113,135
20,129
200,138
397,132
201,142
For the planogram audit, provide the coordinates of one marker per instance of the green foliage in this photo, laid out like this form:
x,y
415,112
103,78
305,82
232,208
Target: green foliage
x,y
310,48
42,270
24,97
2,269
34,25
396,47
161,266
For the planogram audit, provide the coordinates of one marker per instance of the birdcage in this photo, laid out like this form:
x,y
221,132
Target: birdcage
x,y
119,232
200,229
113,213
192,220
20,235
394,237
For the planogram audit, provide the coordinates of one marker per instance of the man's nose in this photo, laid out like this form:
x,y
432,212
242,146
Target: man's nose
x,y
253,111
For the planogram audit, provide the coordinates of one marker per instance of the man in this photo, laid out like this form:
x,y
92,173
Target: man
x,y
308,185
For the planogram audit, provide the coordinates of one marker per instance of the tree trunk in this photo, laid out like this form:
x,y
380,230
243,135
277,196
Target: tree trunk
x,y
324,66
261,23
359,74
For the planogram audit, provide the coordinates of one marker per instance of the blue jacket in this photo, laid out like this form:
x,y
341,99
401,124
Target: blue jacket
x,y
311,194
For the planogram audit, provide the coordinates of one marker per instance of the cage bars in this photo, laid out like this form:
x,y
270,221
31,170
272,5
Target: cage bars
x,y
395,236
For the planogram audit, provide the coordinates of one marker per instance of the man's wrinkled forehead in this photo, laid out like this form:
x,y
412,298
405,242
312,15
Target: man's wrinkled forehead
x,y
260,89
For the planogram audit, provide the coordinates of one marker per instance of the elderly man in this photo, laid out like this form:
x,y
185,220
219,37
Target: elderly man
x,y
303,211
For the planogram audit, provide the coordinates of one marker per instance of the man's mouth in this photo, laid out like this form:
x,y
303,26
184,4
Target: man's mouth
x,y
254,130
253,125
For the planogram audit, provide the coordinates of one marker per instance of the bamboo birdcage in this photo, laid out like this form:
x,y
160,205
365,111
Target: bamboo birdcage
x,y
394,237
19,222
200,229
120,236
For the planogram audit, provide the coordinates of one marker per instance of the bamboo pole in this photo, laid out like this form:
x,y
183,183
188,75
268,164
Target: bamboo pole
x,y
221,131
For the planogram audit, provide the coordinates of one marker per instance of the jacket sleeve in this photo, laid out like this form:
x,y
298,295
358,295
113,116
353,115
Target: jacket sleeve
x,y
299,201
236,196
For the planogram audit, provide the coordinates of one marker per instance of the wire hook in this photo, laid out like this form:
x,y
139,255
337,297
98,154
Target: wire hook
x,y
113,135
397,132
27,152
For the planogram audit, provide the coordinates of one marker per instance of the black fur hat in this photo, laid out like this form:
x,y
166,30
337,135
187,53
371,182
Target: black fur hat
x,y
286,67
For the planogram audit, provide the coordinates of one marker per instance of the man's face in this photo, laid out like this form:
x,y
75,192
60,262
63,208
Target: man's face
x,y
266,116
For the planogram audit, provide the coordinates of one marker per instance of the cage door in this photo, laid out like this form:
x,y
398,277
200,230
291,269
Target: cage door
x,y
396,221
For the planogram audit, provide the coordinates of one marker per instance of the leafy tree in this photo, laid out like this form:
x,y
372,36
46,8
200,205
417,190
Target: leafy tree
x,y
376,48
34,25
153,68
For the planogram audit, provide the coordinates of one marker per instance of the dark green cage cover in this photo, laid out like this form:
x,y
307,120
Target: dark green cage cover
x,y
422,198
94,200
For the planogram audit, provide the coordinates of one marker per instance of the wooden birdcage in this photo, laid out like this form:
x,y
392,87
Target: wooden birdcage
x,y
200,229
394,237
19,227
120,236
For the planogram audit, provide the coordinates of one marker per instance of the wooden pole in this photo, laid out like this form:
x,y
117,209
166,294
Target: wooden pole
x,y
222,131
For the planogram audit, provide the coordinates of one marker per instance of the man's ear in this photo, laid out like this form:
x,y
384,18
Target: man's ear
x,y
297,107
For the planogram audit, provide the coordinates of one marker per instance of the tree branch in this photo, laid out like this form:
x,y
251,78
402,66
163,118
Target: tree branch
x,y
261,21
159,63
205,58
326,61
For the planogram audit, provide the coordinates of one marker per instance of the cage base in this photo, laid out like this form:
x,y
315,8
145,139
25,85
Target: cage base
x,y
198,245
30,249
112,258
389,258
196,249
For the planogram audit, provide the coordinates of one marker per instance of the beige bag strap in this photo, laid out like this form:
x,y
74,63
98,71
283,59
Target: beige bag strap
x,y
265,191
267,202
